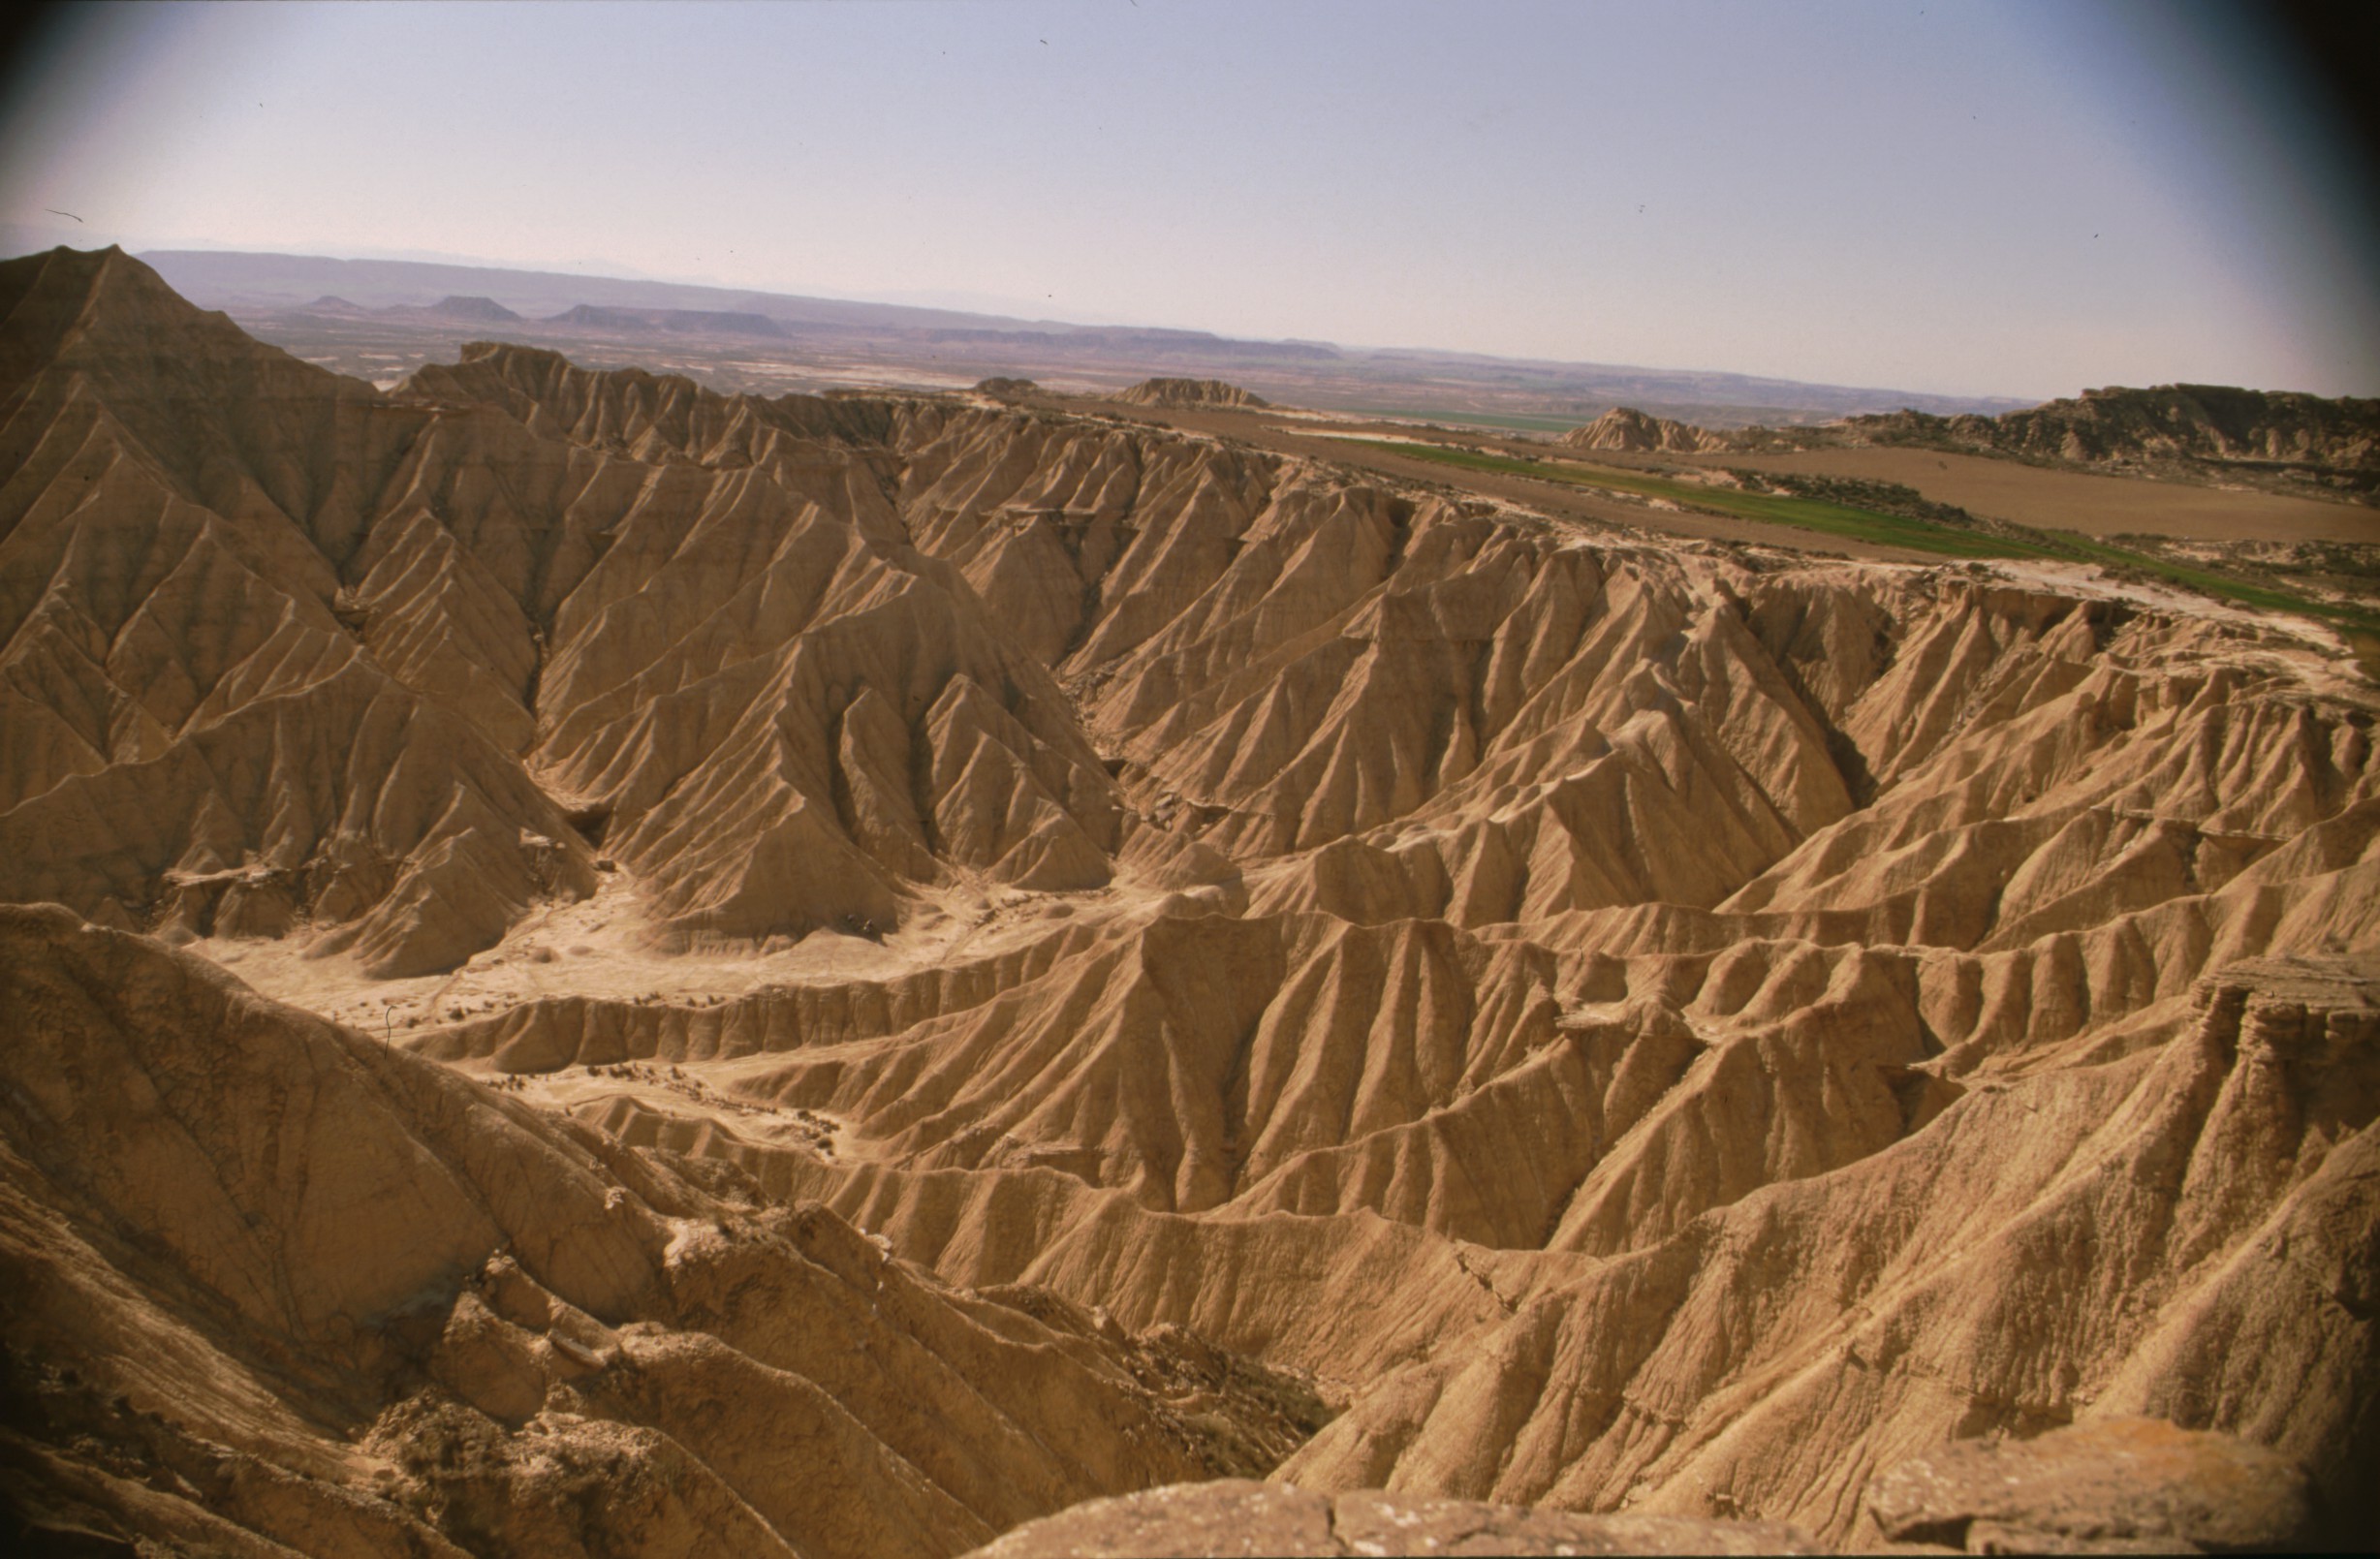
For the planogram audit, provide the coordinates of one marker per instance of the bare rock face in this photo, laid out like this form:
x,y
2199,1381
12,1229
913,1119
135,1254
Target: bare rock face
x,y
1237,1517
2112,1485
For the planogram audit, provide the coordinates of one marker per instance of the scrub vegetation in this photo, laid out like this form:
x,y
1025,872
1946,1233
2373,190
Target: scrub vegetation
x,y
1940,537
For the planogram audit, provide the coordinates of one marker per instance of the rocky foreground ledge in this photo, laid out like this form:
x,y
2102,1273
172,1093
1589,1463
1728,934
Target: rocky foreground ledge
x,y
2115,1485
1239,1518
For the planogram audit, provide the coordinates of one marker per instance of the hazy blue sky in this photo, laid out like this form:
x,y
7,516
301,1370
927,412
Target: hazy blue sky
x,y
2017,198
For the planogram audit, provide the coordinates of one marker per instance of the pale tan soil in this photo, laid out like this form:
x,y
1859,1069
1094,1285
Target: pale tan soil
x,y
601,946
1108,942
2077,501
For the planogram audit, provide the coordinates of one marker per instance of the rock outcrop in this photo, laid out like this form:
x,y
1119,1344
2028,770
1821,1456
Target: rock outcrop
x,y
1624,427
2115,1485
2119,1486
1231,1517
1187,393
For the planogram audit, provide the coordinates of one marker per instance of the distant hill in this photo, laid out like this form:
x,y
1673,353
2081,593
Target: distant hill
x,y
455,307
2170,422
239,280
1184,394
2277,440
1624,427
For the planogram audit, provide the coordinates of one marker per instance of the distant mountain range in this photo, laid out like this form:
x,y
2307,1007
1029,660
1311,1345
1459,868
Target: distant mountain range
x,y
380,317
235,280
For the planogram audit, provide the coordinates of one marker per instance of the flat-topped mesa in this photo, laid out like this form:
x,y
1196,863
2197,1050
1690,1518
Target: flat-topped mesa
x,y
488,310
1625,428
1185,395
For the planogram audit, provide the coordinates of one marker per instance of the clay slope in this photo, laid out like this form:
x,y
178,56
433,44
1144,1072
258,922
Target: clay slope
x,y
281,651
1441,1066
276,1289
1661,1027
795,664
196,731
2187,1232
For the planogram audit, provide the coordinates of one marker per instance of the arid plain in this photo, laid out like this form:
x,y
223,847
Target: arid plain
x,y
594,966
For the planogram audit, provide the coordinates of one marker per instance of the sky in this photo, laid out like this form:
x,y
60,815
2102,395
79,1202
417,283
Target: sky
x,y
2024,197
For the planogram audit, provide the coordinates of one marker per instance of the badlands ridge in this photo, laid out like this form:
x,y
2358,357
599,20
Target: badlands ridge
x,y
601,968
2198,433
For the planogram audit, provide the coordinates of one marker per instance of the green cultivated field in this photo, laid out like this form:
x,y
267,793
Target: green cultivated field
x,y
1885,530
1516,422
